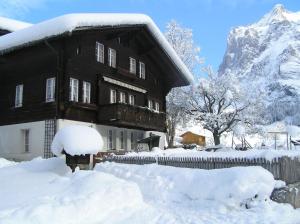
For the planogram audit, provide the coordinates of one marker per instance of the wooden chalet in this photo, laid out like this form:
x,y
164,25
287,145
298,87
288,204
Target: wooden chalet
x,y
108,71
189,138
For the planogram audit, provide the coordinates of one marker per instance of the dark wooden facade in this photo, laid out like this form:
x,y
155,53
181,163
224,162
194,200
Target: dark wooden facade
x,y
73,56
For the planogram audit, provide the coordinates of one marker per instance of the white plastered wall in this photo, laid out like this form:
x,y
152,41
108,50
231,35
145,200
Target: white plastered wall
x,y
104,129
12,145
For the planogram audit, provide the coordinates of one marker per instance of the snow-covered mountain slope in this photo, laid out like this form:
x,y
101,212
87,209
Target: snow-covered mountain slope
x,y
267,54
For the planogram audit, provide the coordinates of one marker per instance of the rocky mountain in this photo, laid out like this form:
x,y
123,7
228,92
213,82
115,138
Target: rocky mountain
x,y
266,54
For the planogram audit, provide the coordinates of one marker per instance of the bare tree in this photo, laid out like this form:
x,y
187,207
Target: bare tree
x,y
219,103
181,39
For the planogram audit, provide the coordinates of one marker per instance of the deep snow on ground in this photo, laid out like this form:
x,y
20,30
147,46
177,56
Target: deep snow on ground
x,y
268,154
45,191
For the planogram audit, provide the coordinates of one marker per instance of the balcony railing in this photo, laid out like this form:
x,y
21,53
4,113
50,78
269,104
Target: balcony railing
x,y
132,116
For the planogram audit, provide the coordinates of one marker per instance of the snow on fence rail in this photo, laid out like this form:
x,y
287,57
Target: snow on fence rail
x,y
283,168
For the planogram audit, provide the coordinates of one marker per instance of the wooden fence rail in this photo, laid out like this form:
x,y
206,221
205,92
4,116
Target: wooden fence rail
x,y
283,168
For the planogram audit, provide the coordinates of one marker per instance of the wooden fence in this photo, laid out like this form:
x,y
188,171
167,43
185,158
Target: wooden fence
x,y
282,168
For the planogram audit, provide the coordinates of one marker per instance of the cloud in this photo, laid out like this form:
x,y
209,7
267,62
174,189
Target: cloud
x,y
18,8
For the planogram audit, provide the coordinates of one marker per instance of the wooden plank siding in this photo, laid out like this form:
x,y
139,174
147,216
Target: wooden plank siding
x,y
57,57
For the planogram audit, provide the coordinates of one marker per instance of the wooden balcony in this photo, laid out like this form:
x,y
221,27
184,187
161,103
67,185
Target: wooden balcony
x,y
125,115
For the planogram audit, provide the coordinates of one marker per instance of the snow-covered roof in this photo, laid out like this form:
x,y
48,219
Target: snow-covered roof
x,y
77,140
70,22
12,25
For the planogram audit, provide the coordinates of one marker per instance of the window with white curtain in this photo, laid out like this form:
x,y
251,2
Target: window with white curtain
x,y
142,70
150,104
50,90
74,83
19,96
131,99
156,106
86,92
132,65
122,98
99,52
112,57
113,96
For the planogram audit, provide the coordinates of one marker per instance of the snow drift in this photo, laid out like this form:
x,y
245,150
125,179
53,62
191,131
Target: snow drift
x,y
233,185
45,191
77,140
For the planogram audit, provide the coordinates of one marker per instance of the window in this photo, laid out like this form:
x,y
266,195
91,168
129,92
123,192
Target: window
x,y
122,140
132,65
50,90
122,97
110,139
112,57
113,96
86,91
131,99
132,142
78,50
74,89
157,106
19,96
26,139
99,52
142,71
150,104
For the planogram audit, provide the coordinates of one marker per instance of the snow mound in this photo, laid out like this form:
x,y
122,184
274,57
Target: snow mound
x,y
4,163
45,191
77,140
229,186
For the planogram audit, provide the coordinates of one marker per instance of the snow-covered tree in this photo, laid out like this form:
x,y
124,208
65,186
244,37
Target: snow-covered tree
x,y
181,39
219,103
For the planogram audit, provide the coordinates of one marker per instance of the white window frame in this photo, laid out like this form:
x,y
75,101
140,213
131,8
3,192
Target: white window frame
x,y
131,99
74,87
86,92
156,108
132,65
113,96
122,97
100,52
110,140
112,57
150,104
142,70
50,90
19,95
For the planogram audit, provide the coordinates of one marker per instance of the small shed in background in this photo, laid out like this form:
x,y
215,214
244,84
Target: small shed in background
x,y
192,138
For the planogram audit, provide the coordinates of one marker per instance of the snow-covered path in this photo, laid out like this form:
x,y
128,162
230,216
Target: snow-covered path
x,y
45,191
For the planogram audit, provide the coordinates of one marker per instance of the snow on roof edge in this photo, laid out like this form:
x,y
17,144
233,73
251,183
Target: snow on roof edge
x,y
69,22
12,25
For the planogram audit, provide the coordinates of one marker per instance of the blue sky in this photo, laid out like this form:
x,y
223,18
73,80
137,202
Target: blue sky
x,y
210,20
